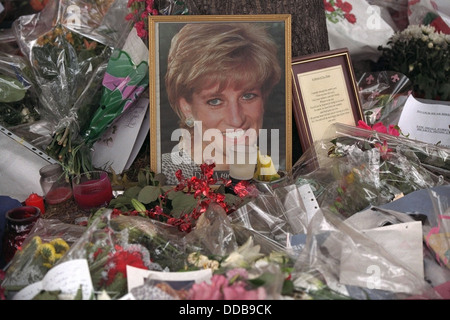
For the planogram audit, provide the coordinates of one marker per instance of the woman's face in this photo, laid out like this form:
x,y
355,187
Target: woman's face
x,y
232,112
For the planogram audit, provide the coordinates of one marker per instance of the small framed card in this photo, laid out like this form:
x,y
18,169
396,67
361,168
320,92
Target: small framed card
x,y
324,93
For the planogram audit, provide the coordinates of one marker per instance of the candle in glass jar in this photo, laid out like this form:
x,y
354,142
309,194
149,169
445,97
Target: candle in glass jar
x,y
243,162
18,224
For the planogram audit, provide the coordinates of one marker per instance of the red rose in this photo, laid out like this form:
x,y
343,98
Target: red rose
x,y
350,18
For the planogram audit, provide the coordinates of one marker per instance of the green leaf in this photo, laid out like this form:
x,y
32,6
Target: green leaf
x,y
183,203
160,178
11,90
172,195
149,194
231,199
47,295
265,278
79,295
132,192
168,189
142,178
288,288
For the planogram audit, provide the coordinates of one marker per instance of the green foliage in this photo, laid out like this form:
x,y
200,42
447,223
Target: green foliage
x,y
423,55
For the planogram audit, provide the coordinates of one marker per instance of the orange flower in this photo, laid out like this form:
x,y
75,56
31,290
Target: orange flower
x,y
90,45
38,5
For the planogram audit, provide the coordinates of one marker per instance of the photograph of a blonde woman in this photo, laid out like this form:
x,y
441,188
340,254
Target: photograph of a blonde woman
x,y
221,85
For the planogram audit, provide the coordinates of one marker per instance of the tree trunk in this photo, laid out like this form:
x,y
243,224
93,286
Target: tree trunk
x,y
308,30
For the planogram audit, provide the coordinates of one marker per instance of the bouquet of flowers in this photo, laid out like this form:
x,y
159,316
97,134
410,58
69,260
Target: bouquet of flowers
x,y
383,95
114,241
18,100
368,165
68,45
244,274
422,54
46,244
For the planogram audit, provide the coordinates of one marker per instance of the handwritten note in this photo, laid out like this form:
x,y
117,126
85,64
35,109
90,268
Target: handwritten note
x,y
121,142
67,277
426,122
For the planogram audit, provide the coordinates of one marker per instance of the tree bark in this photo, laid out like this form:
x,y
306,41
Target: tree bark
x,y
309,30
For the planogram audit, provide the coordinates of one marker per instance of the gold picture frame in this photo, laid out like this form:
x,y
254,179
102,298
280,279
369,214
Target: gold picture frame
x,y
324,92
164,120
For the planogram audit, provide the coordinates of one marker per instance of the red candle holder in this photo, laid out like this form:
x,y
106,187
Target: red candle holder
x,y
92,190
37,201
19,222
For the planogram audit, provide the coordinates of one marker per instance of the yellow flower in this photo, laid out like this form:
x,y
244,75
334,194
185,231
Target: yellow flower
x,y
47,251
350,178
36,240
60,245
58,31
202,261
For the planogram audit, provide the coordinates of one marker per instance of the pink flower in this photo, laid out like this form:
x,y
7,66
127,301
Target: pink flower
x,y
384,149
363,125
238,292
205,291
129,16
237,273
393,130
221,289
370,79
380,127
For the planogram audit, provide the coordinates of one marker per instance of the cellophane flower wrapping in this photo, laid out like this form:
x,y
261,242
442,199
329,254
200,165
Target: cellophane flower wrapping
x,y
437,230
68,45
18,99
360,167
383,95
240,270
112,242
45,245
341,259
351,172
266,219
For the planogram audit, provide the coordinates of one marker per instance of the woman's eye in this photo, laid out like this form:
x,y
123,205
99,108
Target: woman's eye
x,y
248,96
214,102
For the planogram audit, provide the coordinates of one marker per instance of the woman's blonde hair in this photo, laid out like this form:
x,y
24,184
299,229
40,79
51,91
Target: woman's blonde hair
x,y
203,54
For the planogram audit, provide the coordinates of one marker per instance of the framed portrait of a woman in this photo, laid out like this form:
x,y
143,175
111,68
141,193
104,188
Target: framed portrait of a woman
x,y
217,82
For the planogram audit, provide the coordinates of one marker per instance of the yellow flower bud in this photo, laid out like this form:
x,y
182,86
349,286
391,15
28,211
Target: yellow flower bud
x,y
47,251
60,245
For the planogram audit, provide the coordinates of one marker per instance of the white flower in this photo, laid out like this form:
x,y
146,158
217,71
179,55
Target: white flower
x,y
244,256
